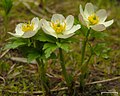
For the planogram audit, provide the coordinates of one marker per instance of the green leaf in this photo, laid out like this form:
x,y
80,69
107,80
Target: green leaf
x,y
53,56
105,56
102,50
63,46
99,48
98,34
32,56
14,45
49,48
105,53
44,37
76,21
17,42
59,44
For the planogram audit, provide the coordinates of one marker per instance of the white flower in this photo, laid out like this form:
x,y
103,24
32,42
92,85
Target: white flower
x,y
27,30
92,19
60,27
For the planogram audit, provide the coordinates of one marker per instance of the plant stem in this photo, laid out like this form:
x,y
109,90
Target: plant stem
x,y
44,81
84,46
83,66
68,80
64,72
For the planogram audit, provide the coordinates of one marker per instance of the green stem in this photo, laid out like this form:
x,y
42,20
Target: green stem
x,y
84,70
84,47
44,81
90,55
83,66
64,72
68,79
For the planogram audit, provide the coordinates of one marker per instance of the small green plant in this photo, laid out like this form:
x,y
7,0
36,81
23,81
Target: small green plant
x,y
6,6
27,40
93,20
62,29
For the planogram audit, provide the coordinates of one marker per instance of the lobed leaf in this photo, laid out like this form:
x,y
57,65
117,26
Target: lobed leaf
x,y
101,50
49,48
32,56
98,34
63,46
14,45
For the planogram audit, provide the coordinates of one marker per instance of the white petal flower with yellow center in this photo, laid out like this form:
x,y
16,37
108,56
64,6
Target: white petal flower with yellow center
x,y
27,30
92,19
60,27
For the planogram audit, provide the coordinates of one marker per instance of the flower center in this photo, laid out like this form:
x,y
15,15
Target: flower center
x,y
93,19
58,27
28,27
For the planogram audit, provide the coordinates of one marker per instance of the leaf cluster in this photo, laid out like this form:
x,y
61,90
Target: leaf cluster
x,y
51,44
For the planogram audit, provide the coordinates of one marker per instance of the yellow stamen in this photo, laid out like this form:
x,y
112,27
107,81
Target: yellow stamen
x,y
28,27
58,27
93,19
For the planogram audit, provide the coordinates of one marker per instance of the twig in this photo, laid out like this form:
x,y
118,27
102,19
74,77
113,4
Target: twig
x,y
23,60
24,92
11,69
4,53
103,81
50,11
2,79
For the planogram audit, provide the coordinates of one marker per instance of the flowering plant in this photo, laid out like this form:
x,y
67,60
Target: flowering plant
x,y
96,21
39,39
26,39
61,29
40,44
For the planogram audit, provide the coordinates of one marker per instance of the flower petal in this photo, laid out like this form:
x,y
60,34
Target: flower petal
x,y
15,34
82,20
108,23
99,27
73,29
50,33
18,29
102,14
81,11
29,34
89,9
36,22
69,22
57,17
46,26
